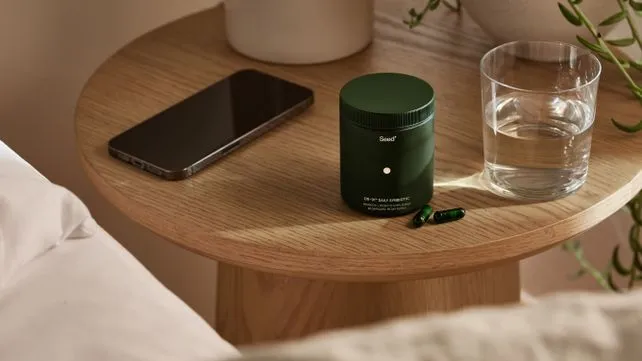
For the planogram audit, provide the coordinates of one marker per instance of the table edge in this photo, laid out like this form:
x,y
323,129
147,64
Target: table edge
x,y
396,267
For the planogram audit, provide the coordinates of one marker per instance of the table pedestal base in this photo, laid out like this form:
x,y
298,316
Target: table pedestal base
x,y
257,307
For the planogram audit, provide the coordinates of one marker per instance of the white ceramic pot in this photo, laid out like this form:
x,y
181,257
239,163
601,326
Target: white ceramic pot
x,y
509,20
299,31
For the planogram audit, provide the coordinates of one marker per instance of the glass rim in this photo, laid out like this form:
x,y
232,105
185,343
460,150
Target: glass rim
x,y
584,51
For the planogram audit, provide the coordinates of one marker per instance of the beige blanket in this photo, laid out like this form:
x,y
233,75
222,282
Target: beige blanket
x,y
568,327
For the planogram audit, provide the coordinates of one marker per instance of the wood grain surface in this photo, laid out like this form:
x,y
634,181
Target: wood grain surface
x,y
255,307
274,205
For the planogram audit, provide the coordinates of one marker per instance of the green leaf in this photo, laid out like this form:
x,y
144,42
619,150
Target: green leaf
x,y
637,64
633,204
575,2
637,263
569,15
634,209
617,265
636,5
609,279
634,239
621,42
595,47
433,4
412,12
613,19
625,64
627,128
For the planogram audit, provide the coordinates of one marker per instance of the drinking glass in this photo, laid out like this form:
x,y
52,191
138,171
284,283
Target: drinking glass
x,y
538,104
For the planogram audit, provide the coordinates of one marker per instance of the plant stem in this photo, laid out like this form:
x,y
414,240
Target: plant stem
x,y
589,268
598,37
417,17
629,19
452,7
635,209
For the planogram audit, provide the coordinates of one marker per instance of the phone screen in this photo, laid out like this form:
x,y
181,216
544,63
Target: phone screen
x,y
209,120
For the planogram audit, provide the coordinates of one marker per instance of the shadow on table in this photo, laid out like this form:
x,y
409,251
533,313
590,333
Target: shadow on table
x,y
270,198
267,197
313,198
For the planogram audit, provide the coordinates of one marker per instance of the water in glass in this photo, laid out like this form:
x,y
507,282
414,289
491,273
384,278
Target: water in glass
x,y
537,145
538,102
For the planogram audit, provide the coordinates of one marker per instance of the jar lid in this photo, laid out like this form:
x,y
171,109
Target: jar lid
x,y
386,101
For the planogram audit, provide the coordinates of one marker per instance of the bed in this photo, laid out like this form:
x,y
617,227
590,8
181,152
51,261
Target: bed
x,y
69,291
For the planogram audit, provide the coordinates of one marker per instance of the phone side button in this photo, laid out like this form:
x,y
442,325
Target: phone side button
x,y
153,170
137,163
230,148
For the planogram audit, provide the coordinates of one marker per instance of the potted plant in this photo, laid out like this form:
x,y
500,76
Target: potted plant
x,y
513,20
590,26
299,31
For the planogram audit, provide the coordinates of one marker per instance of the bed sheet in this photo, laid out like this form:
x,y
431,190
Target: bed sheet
x,y
90,299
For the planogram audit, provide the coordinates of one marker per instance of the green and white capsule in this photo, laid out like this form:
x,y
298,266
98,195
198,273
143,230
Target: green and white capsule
x,y
422,216
448,215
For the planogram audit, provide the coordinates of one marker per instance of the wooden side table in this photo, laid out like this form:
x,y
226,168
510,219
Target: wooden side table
x,y
293,258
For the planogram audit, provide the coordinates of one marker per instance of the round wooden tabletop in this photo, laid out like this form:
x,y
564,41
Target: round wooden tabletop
x,y
274,205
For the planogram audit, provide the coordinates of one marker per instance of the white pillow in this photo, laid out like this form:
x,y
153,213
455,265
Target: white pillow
x,y
35,216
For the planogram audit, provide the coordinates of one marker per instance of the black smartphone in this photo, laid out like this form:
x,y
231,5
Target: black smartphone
x,y
204,127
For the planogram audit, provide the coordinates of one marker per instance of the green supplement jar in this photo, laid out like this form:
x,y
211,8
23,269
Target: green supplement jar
x,y
387,143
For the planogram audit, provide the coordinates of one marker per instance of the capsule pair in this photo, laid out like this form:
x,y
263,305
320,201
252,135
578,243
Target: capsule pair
x,y
448,215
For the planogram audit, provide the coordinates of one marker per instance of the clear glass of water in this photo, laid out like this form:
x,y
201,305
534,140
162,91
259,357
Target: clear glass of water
x,y
538,103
